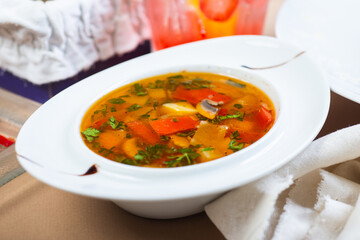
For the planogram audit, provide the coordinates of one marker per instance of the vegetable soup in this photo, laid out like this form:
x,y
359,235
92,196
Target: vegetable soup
x,y
177,119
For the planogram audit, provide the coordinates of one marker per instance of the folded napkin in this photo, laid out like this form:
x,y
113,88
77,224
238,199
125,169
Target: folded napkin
x,y
49,41
314,196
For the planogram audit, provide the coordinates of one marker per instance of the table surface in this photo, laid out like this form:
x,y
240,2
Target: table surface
x,y
32,210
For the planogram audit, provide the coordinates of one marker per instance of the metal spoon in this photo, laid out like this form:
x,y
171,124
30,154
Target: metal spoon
x,y
273,66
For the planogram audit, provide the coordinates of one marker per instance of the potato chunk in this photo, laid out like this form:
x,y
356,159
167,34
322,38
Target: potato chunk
x,y
130,147
177,109
210,135
111,138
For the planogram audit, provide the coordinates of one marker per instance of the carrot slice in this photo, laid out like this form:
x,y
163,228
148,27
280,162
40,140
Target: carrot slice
x,y
144,131
195,96
263,117
173,125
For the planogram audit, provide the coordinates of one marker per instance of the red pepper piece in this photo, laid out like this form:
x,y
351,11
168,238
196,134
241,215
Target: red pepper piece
x,y
173,125
144,131
195,96
263,117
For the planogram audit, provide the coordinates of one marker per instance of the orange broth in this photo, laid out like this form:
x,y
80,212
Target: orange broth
x,y
177,119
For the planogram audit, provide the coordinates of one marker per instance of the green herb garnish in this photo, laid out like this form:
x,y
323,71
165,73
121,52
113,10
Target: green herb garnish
x,y
133,107
173,82
113,109
207,149
138,89
186,134
157,84
118,100
197,83
145,115
91,134
235,84
235,135
115,124
164,138
238,106
106,152
235,145
103,110
186,157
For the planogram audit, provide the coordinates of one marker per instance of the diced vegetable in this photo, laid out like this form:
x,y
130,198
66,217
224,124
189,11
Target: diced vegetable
x,y
241,126
130,147
180,141
99,123
263,117
248,103
195,96
157,93
210,135
205,109
141,114
173,125
144,131
178,109
223,112
208,155
111,138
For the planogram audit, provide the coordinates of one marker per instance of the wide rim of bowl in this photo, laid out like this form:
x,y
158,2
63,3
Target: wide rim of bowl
x,y
291,133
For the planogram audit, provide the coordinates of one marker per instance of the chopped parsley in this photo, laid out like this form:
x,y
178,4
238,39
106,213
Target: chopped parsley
x,y
91,134
106,152
145,115
118,100
103,110
235,135
127,161
151,152
133,107
238,106
113,109
115,124
239,116
186,157
186,134
164,138
235,145
173,82
197,83
138,89
207,149
235,84
157,84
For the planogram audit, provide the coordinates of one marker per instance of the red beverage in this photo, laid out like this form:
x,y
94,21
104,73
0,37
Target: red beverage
x,y
174,22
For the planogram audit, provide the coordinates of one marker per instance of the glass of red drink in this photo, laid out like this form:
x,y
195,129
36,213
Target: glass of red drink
x,y
175,22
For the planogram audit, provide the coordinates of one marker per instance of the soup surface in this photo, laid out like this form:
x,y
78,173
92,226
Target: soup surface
x,y
177,119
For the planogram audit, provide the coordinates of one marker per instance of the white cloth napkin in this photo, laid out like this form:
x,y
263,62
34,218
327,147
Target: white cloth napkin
x,y
47,42
315,196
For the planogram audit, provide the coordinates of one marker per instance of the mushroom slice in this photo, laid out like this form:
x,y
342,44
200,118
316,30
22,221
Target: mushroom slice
x,y
206,109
